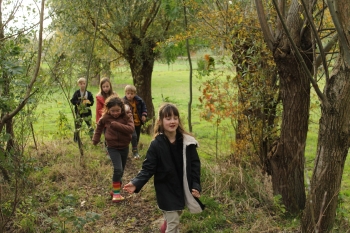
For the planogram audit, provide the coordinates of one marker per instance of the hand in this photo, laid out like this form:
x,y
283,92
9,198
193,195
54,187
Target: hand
x,y
143,118
129,187
195,193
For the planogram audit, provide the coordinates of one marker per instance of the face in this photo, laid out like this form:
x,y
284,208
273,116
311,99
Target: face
x,y
115,111
130,95
106,87
82,86
170,124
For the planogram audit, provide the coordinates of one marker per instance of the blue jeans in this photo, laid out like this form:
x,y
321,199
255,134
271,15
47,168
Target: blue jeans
x,y
118,157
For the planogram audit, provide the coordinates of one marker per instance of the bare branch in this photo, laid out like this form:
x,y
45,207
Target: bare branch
x,y
342,38
318,40
300,58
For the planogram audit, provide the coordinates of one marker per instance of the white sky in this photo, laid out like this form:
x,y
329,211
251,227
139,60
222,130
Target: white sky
x,y
26,16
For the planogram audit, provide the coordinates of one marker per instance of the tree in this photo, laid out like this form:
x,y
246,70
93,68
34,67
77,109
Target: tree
x,y
253,80
286,160
334,131
131,28
18,77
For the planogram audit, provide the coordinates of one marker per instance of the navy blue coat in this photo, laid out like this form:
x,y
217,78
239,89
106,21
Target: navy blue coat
x,y
140,106
76,100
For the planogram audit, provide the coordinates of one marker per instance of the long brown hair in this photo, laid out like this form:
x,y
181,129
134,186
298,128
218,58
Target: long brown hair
x,y
112,101
166,110
101,92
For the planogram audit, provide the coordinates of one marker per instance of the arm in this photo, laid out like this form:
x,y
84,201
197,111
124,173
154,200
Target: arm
x,y
98,131
149,168
99,107
91,99
143,109
195,168
75,99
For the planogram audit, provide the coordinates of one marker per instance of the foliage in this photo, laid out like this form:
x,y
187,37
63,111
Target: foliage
x,y
253,84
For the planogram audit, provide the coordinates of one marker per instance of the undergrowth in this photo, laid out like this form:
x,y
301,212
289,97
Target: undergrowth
x,y
69,193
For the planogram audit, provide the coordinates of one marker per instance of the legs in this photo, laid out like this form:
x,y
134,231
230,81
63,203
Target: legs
x,y
135,140
118,158
172,221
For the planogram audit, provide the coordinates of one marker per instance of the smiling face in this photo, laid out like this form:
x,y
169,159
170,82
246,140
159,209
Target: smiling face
x,y
170,124
115,111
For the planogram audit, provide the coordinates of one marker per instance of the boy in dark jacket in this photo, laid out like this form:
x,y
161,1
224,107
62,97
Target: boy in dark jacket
x,y
139,112
82,101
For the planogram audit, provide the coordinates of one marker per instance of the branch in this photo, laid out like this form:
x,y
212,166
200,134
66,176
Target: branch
x,y
300,58
13,11
318,40
29,92
343,41
93,46
326,49
264,26
104,37
148,21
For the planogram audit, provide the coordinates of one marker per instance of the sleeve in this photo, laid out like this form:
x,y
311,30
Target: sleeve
x,y
99,107
148,169
98,131
195,167
75,98
91,99
125,128
144,108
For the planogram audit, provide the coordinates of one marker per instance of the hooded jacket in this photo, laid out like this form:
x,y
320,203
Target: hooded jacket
x,y
172,193
118,131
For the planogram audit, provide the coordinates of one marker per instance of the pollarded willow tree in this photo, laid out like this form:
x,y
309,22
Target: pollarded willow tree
x,y
131,28
287,157
334,130
334,126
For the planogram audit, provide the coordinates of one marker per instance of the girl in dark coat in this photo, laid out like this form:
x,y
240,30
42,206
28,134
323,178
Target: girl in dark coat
x,y
173,160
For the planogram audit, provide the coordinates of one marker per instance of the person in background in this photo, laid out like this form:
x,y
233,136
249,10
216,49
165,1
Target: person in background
x,y
173,160
105,91
82,100
139,110
118,128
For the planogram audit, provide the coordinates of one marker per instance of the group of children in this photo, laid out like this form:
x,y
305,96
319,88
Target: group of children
x,y
171,158
83,99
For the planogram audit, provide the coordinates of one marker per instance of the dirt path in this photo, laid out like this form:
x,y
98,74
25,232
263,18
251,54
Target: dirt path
x,y
138,213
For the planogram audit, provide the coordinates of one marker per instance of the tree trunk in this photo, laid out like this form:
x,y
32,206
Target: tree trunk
x,y
287,158
141,70
332,149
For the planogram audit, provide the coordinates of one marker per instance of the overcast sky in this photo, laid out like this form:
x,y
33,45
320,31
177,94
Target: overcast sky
x,y
27,14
